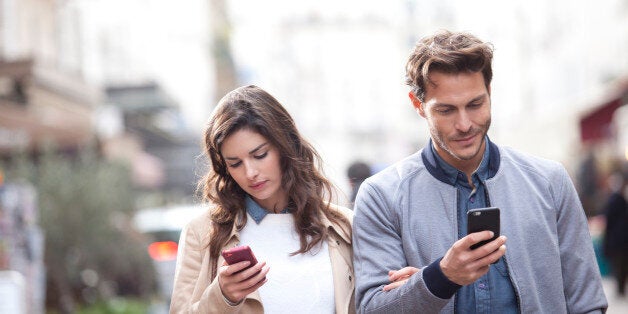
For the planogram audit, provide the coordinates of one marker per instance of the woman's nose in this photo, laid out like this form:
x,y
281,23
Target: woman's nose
x,y
251,171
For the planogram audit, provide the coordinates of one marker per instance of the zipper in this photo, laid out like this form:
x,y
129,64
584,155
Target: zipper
x,y
458,234
512,282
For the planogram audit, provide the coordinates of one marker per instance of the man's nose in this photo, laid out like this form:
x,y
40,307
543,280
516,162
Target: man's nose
x,y
463,121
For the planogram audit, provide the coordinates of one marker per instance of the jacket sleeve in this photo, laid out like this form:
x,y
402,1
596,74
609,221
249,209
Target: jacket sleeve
x,y
186,279
581,276
377,248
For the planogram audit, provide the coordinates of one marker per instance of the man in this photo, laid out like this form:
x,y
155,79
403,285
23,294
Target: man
x,y
357,172
411,248
615,244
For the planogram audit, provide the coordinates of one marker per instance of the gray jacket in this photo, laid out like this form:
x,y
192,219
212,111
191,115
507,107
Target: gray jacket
x,y
406,216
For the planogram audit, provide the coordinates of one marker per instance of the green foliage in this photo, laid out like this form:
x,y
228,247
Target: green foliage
x,y
85,205
116,306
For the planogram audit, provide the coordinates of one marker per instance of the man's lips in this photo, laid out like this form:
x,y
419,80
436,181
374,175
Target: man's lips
x,y
466,140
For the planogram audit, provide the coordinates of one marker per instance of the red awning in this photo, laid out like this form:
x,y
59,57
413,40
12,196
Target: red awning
x,y
597,125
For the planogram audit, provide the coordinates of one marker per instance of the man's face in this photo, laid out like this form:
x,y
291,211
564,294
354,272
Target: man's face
x,y
457,108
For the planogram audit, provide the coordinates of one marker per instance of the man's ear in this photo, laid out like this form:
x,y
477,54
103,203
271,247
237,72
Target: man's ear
x,y
417,104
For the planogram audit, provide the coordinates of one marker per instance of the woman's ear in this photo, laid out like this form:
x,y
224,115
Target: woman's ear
x,y
417,104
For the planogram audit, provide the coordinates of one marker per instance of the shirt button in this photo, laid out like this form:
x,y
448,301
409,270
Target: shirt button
x,y
349,277
337,242
482,286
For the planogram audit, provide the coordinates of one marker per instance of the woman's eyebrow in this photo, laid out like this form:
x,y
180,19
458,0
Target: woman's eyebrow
x,y
257,148
250,152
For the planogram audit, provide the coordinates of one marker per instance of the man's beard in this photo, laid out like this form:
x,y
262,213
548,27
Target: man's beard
x,y
438,138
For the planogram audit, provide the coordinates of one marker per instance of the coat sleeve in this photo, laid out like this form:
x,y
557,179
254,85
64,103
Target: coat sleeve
x,y
189,273
378,248
581,276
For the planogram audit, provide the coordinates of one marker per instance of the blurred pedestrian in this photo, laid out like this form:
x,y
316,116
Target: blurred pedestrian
x,y
410,223
616,234
588,179
265,190
357,172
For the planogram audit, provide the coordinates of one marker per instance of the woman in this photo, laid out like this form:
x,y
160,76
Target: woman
x,y
265,191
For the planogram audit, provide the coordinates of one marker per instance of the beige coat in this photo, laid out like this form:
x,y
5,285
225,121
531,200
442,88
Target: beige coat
x,y
194,293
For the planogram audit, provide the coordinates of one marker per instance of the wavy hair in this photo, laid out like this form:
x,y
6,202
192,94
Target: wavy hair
x,y
309,192
447,52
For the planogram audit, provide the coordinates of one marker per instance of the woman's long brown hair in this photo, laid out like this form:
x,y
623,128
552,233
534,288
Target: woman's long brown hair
x,y
309,192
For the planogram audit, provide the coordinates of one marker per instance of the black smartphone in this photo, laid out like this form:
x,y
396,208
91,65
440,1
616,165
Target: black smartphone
x,y
480,219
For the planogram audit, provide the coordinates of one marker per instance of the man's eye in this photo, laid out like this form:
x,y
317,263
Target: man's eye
x,y
444,111
261,155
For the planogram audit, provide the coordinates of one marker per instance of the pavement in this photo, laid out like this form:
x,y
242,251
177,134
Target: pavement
x,y
616,304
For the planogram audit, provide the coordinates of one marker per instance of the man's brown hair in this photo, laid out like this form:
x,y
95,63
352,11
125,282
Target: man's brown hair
x,y
447,52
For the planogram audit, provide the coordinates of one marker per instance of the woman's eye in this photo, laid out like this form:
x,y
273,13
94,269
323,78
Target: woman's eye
x,y
261,155
233,165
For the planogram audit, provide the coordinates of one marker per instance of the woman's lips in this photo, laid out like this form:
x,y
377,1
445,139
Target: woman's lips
x,y
258,185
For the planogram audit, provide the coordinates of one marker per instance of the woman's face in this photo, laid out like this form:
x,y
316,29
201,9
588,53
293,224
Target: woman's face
x,y
254,163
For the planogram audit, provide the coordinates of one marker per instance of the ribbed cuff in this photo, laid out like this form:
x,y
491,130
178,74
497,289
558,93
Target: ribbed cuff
x,y
231,303
438,284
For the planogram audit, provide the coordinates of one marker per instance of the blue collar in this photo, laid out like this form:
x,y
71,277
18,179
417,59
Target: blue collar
x,y
430,160
452,174
257,212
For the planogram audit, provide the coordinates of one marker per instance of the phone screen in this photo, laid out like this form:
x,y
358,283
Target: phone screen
x,y
480,219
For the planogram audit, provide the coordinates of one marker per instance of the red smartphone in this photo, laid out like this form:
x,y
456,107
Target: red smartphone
x,y
239,254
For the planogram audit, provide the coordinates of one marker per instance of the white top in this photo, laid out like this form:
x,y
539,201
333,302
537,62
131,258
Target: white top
x,y
302,283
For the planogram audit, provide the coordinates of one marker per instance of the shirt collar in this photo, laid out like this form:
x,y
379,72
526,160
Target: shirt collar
x,y
452,174
257,212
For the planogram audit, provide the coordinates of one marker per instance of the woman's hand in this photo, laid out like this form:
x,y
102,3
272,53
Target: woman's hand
x,y
399,277
236,282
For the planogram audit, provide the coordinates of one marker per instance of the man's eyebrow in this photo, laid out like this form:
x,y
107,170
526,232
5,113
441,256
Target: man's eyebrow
x,y
250,152
477,98
481,97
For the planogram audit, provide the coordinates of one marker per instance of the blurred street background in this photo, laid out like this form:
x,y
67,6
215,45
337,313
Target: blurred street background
x,y
103,103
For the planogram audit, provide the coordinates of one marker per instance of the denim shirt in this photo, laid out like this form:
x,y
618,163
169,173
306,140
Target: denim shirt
x,y
493,292
258,212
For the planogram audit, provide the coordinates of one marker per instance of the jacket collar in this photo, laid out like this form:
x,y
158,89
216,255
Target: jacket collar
x,y
431,163
344,234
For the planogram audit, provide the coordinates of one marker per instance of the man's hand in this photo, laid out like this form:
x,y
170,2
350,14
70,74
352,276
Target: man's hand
x,y
463,265
399,277
235,285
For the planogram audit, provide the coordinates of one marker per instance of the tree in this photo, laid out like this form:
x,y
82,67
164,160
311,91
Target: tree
x,y
91,249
